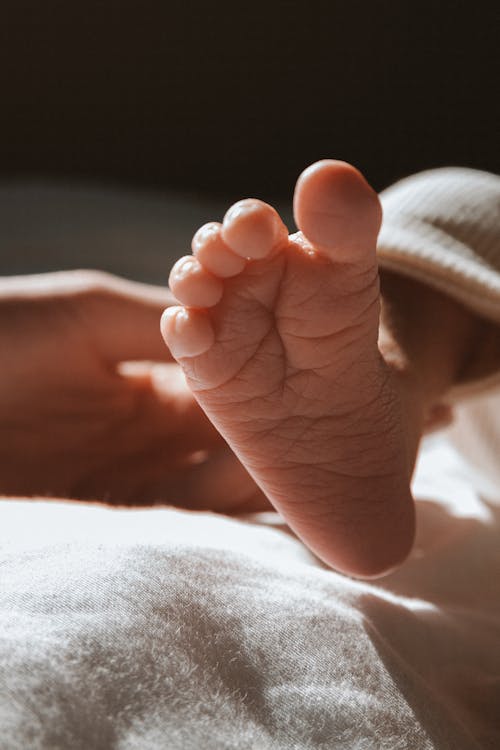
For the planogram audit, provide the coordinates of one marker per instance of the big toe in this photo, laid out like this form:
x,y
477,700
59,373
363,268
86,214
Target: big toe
x,y
337,210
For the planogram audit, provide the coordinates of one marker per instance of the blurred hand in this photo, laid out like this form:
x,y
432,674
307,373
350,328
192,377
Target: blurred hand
x,y
93,407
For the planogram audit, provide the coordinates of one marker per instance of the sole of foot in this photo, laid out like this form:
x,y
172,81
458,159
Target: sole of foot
x,y
277,337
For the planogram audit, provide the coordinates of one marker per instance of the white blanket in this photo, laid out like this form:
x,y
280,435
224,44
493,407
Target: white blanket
x,y
145,629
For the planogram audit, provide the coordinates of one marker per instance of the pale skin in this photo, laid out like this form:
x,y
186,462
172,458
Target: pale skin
x,y
321,389
75,423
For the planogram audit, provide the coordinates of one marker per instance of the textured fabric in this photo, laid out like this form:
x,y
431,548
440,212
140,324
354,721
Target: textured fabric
x,y
442,227
164,629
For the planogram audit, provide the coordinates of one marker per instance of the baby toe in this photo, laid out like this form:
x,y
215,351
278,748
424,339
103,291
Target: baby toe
x,y
213,254
187,333
193,285
252,229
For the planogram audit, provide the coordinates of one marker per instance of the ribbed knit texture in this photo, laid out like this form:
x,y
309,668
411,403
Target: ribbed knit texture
x,y
442,227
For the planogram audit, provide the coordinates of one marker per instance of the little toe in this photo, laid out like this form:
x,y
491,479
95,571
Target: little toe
x,y
187,332
253,229
193,285
337,210
213,254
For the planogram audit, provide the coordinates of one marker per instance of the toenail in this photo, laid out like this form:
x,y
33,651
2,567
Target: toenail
x,y
242,208
184,267
180,317
193,285
252,229
205,233
216,257
187,333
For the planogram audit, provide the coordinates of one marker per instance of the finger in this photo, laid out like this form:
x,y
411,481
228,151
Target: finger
x,y
123,318
166,409
203,480
222,484
214,481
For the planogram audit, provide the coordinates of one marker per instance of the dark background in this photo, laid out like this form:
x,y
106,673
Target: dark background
x,y
237,98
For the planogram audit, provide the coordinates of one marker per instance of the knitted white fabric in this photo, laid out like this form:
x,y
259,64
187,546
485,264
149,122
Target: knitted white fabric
x,y
442,227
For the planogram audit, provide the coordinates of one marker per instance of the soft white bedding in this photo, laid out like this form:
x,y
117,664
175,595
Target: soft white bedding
x,y
147,629
168,629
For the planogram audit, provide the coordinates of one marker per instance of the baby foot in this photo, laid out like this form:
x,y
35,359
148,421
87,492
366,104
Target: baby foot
x,y
277,337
